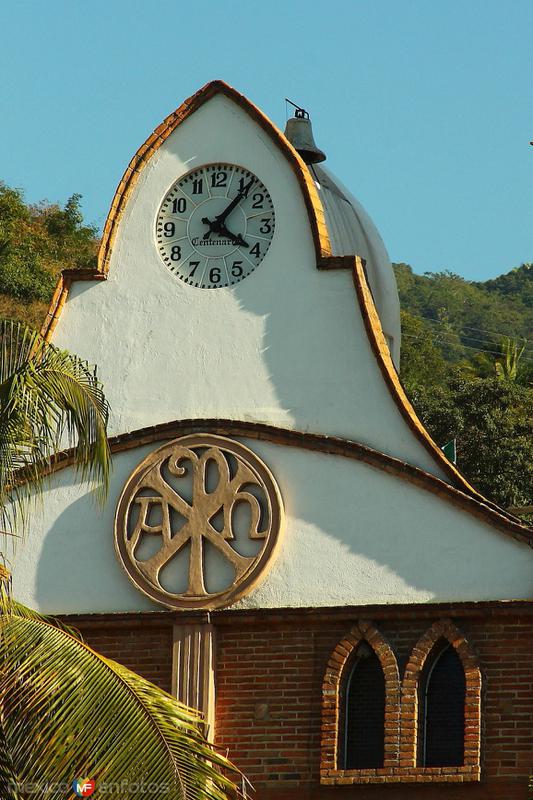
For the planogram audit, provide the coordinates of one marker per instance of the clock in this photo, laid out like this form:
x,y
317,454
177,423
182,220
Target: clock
x,y
215,226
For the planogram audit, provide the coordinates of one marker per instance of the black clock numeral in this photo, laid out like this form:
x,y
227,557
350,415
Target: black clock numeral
x,y
266,227
179,205
215,185
219,179
259,199
244,186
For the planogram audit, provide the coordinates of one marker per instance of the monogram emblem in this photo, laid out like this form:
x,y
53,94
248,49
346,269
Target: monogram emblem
x,y
198,522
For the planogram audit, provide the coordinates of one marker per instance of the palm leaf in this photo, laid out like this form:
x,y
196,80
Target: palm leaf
x,y
9,781
68,712
48,398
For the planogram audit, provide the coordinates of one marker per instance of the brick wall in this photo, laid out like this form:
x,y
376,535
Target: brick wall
x,y
145,650
270,668
269,683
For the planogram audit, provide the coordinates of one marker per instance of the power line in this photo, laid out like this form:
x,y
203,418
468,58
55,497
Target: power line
x,y
468,347
453,338
469,327
473,338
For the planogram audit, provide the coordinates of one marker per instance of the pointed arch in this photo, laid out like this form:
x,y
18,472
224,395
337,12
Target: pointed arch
x,y
334,682
141,158
169,125
409,711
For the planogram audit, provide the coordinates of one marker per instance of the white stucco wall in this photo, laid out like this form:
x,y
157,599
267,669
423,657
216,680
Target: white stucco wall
x,y
354,535
352,231
286,346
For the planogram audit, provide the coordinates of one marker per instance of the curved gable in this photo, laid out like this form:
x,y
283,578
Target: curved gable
x,y
400,443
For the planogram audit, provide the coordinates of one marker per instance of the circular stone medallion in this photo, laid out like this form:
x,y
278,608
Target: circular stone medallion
x,y
198,522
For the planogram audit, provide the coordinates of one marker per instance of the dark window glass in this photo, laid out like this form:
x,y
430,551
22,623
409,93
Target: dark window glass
x,y
442,710
365,711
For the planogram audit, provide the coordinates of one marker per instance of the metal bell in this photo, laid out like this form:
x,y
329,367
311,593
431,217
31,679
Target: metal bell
x,y
299,132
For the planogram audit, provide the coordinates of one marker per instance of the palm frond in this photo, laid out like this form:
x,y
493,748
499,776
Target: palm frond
x,y
9,780
48,398
68,712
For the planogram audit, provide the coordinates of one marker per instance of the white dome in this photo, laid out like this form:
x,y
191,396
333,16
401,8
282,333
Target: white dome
x,y
352,232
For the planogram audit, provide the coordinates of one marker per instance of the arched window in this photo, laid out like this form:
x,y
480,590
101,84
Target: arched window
x,y
364,707
376,730
441,704
360,708
441,723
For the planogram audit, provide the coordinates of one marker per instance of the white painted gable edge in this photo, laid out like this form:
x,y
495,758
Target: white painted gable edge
x,y
324,259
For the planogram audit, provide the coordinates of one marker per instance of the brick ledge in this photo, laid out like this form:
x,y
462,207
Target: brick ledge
x,y
400,775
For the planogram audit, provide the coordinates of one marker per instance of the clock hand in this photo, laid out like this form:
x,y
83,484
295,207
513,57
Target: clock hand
x,y
236,200
216,226
207,234
236,239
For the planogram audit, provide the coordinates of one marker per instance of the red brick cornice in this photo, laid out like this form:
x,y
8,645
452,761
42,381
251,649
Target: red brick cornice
x,y
493,610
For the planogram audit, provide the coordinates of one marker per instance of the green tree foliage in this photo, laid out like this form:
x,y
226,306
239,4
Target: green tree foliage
x,y
67,712
467,359
36,243
469,321
508,368
492,421
516,285
422,361
47,398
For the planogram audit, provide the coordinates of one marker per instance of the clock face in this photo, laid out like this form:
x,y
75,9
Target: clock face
x,y
215,225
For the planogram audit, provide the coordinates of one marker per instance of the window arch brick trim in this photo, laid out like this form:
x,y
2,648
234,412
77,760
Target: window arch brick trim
x,y
331,711
443,629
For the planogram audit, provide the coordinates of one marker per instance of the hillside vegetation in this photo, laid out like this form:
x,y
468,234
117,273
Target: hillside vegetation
x,y
467,365
36,243
471,325
467,348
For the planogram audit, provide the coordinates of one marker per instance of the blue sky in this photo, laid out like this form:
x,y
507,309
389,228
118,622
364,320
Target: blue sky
x,y
423,108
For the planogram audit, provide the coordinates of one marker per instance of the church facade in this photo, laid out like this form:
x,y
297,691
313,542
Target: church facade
x,y
283,547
